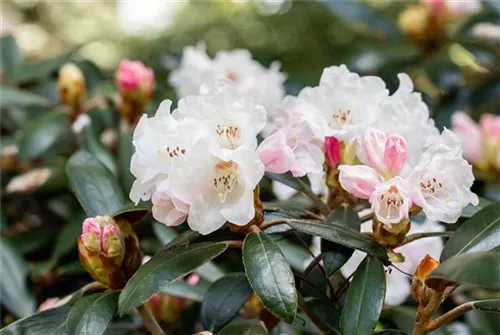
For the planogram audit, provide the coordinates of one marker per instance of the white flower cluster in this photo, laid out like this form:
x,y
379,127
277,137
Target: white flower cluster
x,y
200,161
405,163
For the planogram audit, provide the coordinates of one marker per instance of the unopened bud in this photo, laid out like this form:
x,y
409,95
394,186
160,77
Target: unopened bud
x,y
395,153
111,243
71,85
91,234
420,291
332,150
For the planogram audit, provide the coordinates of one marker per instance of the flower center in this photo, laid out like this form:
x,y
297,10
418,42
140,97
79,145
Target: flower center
x,y
229,135
341,117
172,151
433,188
226,175
392,202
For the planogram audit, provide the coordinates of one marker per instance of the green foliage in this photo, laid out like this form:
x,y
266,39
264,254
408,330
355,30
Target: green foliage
x,y
93,314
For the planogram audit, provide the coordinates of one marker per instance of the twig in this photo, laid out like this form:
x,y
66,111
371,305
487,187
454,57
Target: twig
x,y
314,286
149,320
413,237
234,244
448,317
93,286
311,265
344,287
366,217
269,224
317,321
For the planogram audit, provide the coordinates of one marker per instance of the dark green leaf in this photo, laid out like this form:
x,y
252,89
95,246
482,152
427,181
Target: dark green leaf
x,y
270,275
13,293
471,210
224,299
165,234
67,239
33,239
17,97
403,317
93,314
44,68
93,75
326,311
49,322
491,305
344,216
125,152
494,5
334,256
163,268
131,212
11,57
42,133
475,269
247,327
94,186
479,233
92,144
365,298
341,235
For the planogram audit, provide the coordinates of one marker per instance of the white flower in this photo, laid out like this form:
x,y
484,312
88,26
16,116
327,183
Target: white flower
x,y
346,103
398,284
248,76
391,201
442,180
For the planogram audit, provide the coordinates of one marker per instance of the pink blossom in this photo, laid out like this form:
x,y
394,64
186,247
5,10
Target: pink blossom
x,y
395,153
359,180
134,77
470,134
490,125
91,234
169,210
391,201
332,150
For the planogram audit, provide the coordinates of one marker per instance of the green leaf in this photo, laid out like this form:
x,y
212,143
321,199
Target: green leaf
x,y
13,293
247,327
131,212
224,299
16,97
365,298
92,144
471,210
163,268
42,133
270,275
494,5
165,234
67,239
326,311
49,322
403,317
11,58
479,233
344,216
475,269
491,305
334,256
95,187
125,152
92,314
93,75
341,235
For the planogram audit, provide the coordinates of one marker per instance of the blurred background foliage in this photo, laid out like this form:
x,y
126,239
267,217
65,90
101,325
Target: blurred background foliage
x,y
457,72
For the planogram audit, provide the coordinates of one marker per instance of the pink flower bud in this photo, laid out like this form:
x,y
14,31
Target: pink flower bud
x,y
111,243
134,78
395,153
490,125
91,234
193,279
470,133
71,85
276,155
374,145
332,150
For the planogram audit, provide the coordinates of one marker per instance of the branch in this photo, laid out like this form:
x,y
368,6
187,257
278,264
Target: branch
x,y
448,317
314,318
269,224
234,244
413,237
149,320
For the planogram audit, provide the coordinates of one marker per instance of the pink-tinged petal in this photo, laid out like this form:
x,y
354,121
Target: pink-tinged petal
x,y
470,134
359,180
395,153
193,279
168,210
374,145
275,154
490,125
332,150
111,243
391,201
90,225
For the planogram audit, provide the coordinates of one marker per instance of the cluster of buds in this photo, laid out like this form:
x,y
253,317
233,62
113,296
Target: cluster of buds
x,y
419,290
135,82
481,143
71,88
426,23
109,250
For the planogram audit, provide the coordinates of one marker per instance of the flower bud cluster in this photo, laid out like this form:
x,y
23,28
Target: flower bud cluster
x,y
109,250
71,89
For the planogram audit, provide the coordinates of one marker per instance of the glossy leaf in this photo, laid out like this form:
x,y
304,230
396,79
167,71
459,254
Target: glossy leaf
x,y
42,133
479,233
16,97
247,327
49,322
131,212
341,235
491,305
334,255
95,187
93,314
327,311
163,268
344,216
13,292
297,184
11,58
364,299
270,275
224,299
474,269
92,144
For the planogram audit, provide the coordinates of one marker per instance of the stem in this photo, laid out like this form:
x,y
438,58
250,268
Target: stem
x,y
310,194
448,317
149,320
344,286
93,286
269,224
234,244
314,286
413,237
366,217
317,321
311,266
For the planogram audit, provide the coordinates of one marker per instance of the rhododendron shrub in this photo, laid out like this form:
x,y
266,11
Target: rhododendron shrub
x,y
220,192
